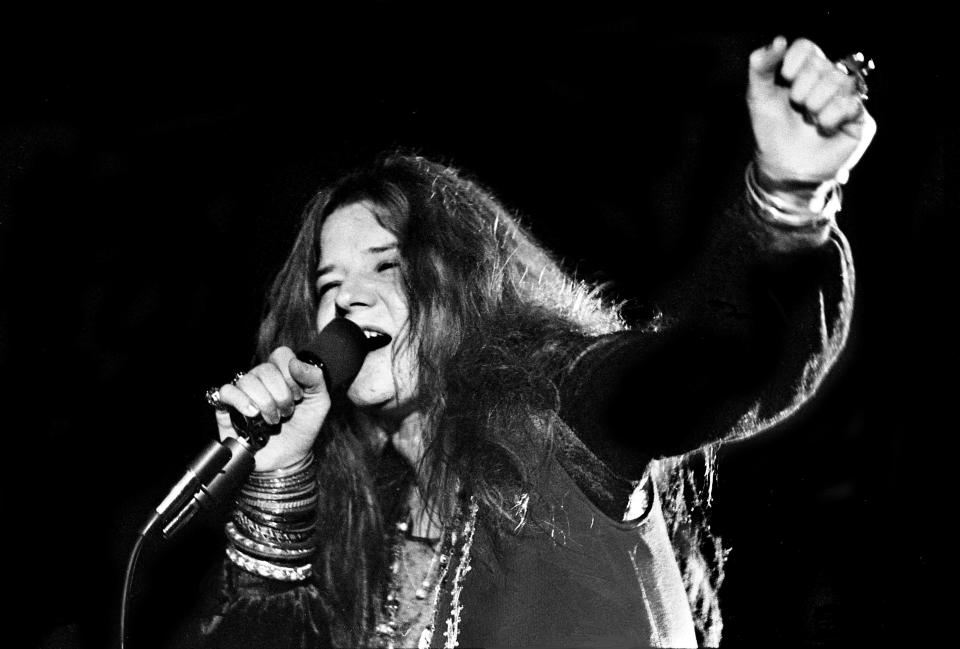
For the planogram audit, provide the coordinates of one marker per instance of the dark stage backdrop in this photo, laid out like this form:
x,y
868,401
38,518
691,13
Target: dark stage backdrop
x,y
147,198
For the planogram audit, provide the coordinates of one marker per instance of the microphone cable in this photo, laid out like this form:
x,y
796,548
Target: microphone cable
x,y
127,584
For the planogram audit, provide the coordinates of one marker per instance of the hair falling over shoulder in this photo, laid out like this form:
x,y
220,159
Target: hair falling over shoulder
x,y
495,319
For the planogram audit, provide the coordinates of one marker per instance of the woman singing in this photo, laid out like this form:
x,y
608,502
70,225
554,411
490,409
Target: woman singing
x,y
503,470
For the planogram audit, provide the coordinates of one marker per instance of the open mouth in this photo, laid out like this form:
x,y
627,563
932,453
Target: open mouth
x,y
376,339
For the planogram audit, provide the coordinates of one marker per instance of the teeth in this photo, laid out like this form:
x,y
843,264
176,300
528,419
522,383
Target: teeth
x,y
376,339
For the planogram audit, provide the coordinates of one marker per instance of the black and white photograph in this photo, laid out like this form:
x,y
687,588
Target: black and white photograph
x,y
476,327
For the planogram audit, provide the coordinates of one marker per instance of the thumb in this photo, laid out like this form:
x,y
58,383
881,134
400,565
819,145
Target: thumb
x,y
764,63
308,376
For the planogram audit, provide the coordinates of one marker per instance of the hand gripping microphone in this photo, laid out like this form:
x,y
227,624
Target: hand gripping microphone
x,y
218,471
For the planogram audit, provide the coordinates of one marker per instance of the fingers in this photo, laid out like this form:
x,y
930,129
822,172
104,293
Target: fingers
x,y
281,358
764,63
281,391
816,83
309,376
267,389
233,397
302,378
830,84
274,388
841,110
811,77
824,94
801,54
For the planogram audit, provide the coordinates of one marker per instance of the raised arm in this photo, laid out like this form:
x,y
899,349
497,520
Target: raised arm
x,y
749,334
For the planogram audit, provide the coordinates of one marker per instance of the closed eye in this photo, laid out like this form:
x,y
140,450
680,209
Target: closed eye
x,y
323,288
387,265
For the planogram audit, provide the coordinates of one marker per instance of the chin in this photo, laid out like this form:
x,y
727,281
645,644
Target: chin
x,y
364,397
377,388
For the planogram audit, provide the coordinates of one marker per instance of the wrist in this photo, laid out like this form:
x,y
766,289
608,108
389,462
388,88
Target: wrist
x,y
280,455
793,204
795,177
272,531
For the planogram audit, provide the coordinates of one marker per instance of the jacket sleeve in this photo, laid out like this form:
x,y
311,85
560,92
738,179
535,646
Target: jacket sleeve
x,y
240,610
747,336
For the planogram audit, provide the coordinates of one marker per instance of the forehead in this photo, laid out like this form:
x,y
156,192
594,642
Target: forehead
x,y
353,228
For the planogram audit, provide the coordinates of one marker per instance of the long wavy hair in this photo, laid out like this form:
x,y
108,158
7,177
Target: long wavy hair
x,y
496,320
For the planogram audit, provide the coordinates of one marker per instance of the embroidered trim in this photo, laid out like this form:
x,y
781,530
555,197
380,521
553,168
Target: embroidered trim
x,y
426,637
453,622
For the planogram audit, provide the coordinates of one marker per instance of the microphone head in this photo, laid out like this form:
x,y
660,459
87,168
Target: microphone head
x,y
339,350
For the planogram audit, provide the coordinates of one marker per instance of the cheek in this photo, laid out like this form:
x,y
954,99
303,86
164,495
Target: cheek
x,y
325,314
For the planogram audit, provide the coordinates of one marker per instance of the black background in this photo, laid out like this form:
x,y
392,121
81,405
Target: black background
x,y
151,185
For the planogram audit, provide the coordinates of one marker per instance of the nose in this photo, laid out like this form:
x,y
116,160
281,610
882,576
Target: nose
x,y
353,294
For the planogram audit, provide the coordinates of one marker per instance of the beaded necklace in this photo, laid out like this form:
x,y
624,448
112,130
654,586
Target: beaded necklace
x,y
391,631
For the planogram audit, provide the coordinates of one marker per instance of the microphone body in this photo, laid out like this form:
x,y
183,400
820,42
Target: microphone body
x,y
211,478
219,470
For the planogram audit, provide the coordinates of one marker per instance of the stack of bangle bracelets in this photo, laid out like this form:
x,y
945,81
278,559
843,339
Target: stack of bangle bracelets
x,y
798,205
273,526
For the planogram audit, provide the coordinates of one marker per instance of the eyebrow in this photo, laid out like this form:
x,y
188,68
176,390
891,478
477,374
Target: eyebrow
x,y
372,250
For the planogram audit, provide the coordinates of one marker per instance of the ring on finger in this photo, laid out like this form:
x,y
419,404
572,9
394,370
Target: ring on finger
x,y
857,66
237,377
213,399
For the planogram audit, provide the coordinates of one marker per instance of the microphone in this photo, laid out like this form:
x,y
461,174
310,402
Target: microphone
x,y
221,467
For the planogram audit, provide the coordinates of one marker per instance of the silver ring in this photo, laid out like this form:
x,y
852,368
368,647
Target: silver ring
x,y
237,377
213,399
857,66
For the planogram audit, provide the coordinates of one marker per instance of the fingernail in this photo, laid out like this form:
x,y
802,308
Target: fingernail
x,y
778,43
309,360
251,410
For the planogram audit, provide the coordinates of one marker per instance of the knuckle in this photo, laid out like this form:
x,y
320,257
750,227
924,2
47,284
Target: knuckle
x,y
846,102
820,76
268,372
281,392
848,106
828,77
841,78
229,394
807,46
819,61
829,118
247,384
797,92
257,370
824,94
800,47
280,356
283,397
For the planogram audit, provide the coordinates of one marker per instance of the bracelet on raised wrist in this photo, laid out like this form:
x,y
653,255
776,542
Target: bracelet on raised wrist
x,y
813,207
